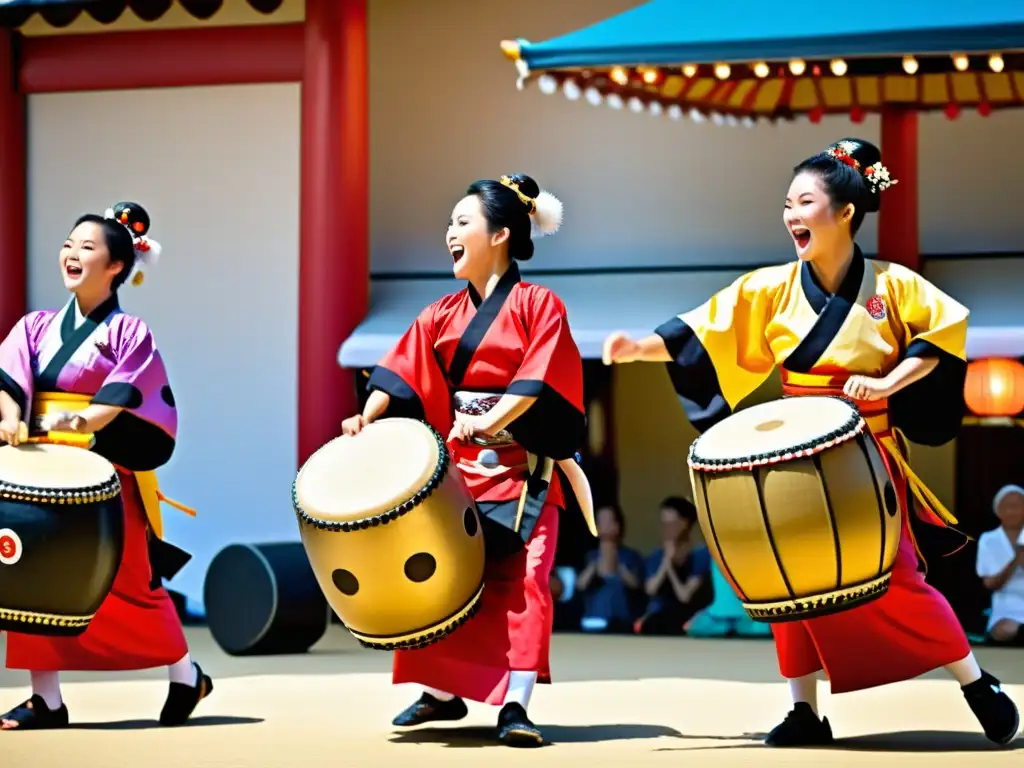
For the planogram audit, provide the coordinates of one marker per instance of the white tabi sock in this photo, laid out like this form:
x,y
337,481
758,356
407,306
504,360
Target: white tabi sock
x,y
966,671
47,685
438,694
184,671
520,688
805,689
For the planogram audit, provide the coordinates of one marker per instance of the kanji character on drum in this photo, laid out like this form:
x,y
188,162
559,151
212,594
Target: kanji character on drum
x,y
876,333
495,368
91,368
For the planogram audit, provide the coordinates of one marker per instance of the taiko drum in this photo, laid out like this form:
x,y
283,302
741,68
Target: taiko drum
x,y
61,537
392,533
796,507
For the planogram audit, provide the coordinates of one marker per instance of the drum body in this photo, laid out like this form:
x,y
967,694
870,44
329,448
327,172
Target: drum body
x,y
393,534
796,507
61,537
263,599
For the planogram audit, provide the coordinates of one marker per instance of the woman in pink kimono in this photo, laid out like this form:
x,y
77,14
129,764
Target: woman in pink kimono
x,y
103,366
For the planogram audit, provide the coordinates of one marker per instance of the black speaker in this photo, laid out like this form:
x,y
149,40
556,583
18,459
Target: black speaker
x,y
263,599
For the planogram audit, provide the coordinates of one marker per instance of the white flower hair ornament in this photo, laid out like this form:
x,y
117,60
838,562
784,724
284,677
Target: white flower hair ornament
x,y
545,209
147,250
878,178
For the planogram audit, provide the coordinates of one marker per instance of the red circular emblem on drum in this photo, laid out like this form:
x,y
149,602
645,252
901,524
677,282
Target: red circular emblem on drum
x,y
10,547
876,307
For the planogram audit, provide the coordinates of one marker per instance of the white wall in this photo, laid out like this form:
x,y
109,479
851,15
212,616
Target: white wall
x,y
218,170
638,189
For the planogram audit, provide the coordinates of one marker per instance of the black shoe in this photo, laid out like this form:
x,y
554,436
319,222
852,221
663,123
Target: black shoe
x,y
515,728
34,715
182,699
429,709
801,728
995,710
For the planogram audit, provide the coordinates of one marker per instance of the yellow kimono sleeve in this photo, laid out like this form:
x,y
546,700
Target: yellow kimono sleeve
x,y
934,326
720,352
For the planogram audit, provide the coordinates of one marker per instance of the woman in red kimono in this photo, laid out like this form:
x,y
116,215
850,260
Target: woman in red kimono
x,y
495,367
103,365
883,337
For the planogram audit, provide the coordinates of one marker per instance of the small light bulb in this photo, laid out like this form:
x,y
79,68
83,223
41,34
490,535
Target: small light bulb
x,y
593,96
689,70
838,67
547,84
961,62
797,67
761,69
614,101
618,74
651,76
655,108
995,62
722,71
635,105
674,112
909,65
571,89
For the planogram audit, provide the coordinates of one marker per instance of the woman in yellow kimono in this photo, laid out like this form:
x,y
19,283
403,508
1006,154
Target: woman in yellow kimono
x,y
884,337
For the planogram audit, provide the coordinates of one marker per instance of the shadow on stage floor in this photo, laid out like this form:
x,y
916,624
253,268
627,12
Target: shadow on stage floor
x,y
575,658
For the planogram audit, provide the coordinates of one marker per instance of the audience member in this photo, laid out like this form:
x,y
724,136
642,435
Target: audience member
x,y
678,573
568,609
1000,565
612,578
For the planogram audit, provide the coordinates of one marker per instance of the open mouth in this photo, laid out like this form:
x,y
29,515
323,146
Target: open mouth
x,y
802,236
73,270
457,252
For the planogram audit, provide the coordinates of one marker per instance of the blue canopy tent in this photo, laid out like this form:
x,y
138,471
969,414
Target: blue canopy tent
x,y
743,58
744,61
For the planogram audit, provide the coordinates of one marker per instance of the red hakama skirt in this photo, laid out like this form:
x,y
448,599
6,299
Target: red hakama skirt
x,y
135,628
511,631
908,631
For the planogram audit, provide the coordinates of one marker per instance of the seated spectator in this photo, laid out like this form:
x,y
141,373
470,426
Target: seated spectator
x,y
1000,565
612,579
725,616
678,573
568,609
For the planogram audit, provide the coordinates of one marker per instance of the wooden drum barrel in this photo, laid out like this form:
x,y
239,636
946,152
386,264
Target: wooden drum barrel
x,y
61,537
796,507
392,533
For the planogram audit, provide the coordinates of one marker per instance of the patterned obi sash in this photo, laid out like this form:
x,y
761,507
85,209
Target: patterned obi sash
x,y
876,416
500,453
44,403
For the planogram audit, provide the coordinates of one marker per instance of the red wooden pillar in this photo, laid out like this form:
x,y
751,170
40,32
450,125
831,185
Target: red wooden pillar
x,y
13,207
898,240
334,213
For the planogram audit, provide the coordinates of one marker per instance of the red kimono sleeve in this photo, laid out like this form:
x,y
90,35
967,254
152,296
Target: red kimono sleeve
x,y
551,371
411,375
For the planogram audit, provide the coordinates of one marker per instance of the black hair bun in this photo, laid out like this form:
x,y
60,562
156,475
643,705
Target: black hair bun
x,y
866,154
133,216
526,185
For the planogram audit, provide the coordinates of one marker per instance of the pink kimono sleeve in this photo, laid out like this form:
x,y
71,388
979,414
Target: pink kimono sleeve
x,y
142,437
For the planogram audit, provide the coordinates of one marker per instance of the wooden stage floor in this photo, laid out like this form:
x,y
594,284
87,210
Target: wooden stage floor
x,y
618,701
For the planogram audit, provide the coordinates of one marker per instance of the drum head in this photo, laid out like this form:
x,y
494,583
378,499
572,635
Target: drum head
x,y
385,465
56,467
773,429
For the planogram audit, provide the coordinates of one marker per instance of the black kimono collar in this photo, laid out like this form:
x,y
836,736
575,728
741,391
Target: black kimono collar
x,y
501,290
818,297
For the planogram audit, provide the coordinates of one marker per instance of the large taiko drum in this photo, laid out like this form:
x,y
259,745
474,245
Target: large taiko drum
x,y
61,537
796,507
392,533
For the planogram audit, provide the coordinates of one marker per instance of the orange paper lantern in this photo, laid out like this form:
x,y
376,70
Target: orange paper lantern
x,y
995,387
